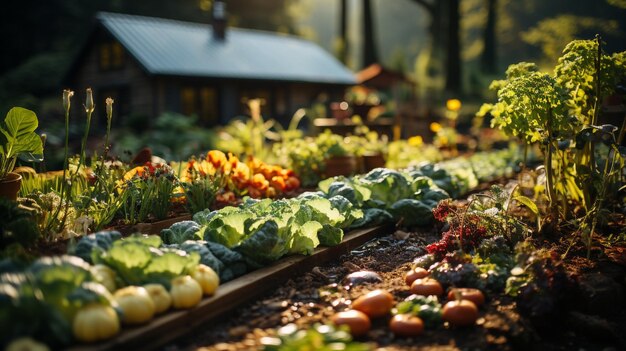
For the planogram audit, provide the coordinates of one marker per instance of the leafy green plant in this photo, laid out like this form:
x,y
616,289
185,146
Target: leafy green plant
x,y
200,192
42,300
319,337
558,112
93,245
264,230
18,224
427,308
150,190
55,214
139,260
19,140
180,232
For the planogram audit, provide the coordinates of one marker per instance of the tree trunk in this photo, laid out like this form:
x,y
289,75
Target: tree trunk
x,y
370,55
489,58
343,32
453,57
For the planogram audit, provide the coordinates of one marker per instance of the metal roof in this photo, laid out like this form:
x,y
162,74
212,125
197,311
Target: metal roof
x,y
169,47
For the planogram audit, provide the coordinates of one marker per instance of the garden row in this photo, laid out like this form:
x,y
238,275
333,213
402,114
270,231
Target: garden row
x,y
61,300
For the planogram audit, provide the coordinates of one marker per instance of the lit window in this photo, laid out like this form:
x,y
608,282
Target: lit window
x,y
117,54
208,106
188,101
111,56
105,57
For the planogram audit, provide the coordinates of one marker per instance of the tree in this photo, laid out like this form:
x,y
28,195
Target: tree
x,y
489,59
552,34
342,49
445,39
370,54
453,57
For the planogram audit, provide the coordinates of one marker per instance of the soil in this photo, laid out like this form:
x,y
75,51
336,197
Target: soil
x,y
593,320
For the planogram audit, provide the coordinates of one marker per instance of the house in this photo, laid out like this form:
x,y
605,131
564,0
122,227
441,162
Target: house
x,y
153,65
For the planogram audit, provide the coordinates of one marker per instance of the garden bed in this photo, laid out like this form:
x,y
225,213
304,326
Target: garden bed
x,y
592,318
229,296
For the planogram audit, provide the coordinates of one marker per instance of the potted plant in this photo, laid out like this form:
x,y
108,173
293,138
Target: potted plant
x,y
370,148
17,140
338,159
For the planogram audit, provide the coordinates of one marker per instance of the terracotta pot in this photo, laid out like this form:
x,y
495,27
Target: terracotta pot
x,y
371,161
338,112
10,186
340,165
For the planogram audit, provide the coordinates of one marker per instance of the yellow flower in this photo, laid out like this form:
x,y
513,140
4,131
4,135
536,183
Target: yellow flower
x,y
453,104
416,141
435,127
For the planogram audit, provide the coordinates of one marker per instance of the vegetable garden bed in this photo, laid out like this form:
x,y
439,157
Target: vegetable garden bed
x,y
229,296
313,297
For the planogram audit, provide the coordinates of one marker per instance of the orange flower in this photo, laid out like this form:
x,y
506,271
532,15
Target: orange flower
x,y
137,171
286,173
292,183
259,182
278,183
254,163
239,171
271,192
217,158
254,192
226,197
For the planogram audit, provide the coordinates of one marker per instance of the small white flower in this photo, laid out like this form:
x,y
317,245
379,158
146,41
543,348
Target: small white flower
x,y
491,211
67,96
89,106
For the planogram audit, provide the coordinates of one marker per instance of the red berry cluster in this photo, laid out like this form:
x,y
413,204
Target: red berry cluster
x,y
470,232
444,209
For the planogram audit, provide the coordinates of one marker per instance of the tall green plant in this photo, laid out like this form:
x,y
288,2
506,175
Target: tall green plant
x,y
19,140
531,106
589,75
561,113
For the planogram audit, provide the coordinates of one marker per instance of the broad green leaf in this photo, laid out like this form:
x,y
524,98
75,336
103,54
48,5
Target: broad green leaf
x,y
170,264
527,202
330,235
150,240
18,130
305,238
325,208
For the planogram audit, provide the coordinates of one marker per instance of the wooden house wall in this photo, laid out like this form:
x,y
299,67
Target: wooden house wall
x,y
140,94
134,85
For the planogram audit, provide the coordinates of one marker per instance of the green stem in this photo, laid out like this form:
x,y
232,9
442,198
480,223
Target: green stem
x,y
552,197
64,183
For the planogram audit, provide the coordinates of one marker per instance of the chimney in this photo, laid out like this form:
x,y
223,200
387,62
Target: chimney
x,y
219,20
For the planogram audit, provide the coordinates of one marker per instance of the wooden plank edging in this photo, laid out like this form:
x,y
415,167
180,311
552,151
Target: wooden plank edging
x,y
228,296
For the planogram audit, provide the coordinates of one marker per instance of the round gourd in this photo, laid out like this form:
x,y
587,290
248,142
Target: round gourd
x,y
358,322
105,276
474,295
95,322
136,304
206,277
185,292
414,274
375,303
406,325
426,287
160,296
460,313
